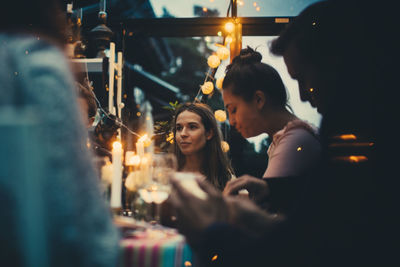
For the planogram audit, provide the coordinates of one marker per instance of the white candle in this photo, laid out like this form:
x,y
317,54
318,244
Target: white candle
x,y
111,74
116,186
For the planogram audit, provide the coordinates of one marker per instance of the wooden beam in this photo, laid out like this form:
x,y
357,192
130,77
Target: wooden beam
x,y
204,26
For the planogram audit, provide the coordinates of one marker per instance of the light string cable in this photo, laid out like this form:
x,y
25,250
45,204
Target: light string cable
x,y
117,121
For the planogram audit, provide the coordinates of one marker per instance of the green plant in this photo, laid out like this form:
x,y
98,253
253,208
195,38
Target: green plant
x,y
163,130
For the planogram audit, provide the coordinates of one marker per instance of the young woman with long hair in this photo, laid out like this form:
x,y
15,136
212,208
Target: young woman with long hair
x,y
198,144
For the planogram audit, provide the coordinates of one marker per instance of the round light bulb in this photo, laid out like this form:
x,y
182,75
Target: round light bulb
x,y
207,88
213,61
229,27
220,115
228,40
224,146
223,53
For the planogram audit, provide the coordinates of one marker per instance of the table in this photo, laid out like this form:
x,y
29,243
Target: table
x,y
155,247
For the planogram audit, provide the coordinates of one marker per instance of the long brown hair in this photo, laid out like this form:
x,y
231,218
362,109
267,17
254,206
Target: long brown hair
x,y
215,166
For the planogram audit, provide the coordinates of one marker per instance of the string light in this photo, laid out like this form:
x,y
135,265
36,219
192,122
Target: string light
x,y
220,115
213,61
225,146
223,53
207,88
229,27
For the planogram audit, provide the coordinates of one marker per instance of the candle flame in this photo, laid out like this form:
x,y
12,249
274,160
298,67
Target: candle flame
x,y
117,145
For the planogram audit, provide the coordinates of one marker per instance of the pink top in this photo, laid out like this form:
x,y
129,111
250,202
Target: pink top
x,y
294,150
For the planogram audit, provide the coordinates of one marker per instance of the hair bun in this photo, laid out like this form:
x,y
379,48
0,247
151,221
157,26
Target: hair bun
x,y
248,56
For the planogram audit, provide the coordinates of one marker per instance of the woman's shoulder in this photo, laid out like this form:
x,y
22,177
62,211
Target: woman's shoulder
x,y
297,128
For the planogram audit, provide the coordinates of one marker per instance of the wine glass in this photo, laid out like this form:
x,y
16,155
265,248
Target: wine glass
x,y
157,189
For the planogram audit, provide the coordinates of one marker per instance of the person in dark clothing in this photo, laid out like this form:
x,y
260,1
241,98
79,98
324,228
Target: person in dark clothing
x,y
345,216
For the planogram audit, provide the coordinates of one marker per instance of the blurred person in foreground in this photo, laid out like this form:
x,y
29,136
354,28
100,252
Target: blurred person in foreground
x,y
77,225
347,214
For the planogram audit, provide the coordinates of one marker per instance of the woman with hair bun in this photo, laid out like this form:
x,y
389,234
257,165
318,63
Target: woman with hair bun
x,y
257,102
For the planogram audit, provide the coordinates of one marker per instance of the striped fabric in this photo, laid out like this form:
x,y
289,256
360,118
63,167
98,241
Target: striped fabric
x,y
155,248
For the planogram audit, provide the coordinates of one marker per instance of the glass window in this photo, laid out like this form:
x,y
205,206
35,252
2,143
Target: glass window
x,y
219,8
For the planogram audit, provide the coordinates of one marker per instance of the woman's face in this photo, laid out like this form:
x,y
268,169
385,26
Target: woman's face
x,y
191,136
244,116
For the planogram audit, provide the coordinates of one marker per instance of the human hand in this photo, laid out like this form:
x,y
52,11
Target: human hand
x,y
195,214
246,215
257,188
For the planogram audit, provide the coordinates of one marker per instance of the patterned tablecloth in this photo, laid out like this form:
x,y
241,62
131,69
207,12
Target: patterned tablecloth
x,y
155,247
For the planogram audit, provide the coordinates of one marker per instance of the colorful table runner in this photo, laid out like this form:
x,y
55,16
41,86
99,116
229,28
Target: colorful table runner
x,y
162,247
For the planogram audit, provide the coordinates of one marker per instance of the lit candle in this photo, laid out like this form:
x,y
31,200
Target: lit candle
x,y
116,186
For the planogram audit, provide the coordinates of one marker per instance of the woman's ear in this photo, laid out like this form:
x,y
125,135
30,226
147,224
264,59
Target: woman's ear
x,y
259,99
91,120
209,134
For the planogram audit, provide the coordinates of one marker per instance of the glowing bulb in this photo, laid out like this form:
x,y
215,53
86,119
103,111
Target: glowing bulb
x,y
229,27
220,115
228,39
223,53
219,82
207,88
213,61
225,146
